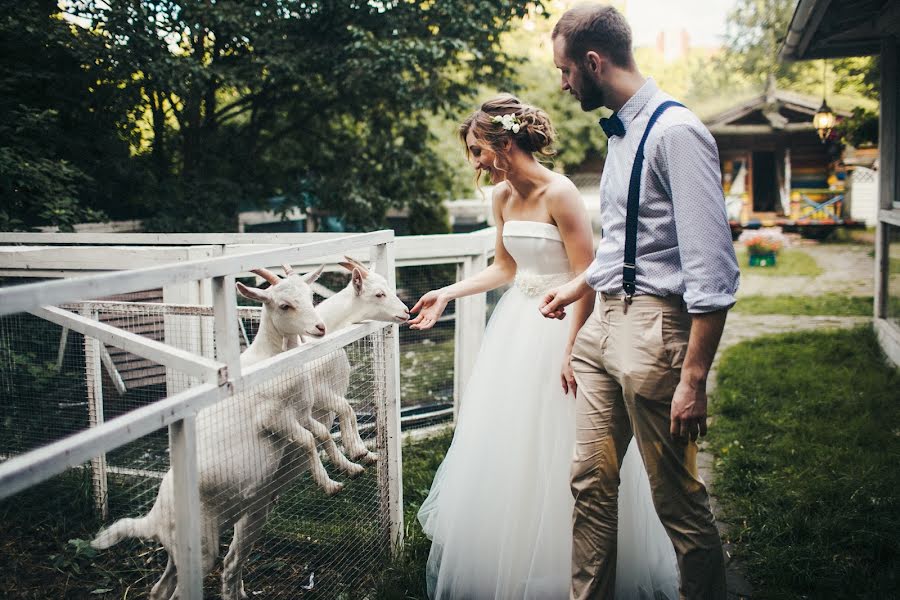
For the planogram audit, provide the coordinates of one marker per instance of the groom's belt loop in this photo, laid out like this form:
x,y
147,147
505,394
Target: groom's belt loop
x,y
629,270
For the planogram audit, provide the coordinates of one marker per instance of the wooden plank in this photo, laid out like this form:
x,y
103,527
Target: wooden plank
x,y
387,401
227,336
164,239
111,370
136,344
471,313
296,358
889,338
183,445
93,258
889,170
92,359
23,298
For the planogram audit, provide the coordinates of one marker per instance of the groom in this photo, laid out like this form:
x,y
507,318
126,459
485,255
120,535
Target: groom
x,y
666,274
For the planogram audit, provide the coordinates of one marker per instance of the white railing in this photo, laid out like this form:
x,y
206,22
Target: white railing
x,y
53,255
220,377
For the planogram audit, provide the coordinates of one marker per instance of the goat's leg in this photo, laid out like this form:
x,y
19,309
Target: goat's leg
x,y
356,448
209,550
321,433
163,589
233,571
251,527
302,436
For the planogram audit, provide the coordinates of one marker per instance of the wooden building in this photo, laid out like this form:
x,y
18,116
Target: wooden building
x,y
825,29
772,157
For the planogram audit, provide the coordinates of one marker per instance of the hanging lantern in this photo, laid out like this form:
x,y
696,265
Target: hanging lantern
x,y
824,121
824,118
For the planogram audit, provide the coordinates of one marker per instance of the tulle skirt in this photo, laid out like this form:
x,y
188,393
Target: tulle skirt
x,y
499,512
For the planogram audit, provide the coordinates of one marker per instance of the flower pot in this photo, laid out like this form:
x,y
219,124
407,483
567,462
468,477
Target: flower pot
x,y
762,260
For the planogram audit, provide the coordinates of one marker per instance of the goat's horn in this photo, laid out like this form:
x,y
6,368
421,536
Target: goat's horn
x,y
357,264
267,275
288,269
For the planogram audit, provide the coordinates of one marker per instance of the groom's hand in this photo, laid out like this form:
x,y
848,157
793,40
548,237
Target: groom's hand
x,y
554,304
688,416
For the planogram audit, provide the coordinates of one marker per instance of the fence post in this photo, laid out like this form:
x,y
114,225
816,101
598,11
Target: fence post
x,y
183,444
470,321
227,329
390,459
99,478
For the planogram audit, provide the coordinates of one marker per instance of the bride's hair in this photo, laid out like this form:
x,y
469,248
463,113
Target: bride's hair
x,y
536,134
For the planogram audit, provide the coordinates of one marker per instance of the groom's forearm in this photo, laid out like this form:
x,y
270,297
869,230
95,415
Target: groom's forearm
x,y
581,311
706,331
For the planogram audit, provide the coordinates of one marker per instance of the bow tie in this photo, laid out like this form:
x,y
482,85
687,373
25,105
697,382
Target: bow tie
x,y
613,126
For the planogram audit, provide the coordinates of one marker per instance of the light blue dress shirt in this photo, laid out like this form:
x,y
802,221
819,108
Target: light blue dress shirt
x,y
684,243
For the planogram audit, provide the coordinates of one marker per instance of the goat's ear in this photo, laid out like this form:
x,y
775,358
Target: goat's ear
x,y
357,278
311,277
251,293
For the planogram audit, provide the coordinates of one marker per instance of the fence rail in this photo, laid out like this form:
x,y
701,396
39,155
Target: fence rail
x,y
220,378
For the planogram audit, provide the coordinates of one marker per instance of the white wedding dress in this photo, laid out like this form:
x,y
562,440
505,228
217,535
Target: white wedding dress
x,y
499,513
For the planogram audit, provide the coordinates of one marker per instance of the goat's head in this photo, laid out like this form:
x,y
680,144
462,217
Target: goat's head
x,y
287,303
374,299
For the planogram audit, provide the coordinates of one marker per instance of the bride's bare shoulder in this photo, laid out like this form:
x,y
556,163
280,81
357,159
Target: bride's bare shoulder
x,y
562,193
499,197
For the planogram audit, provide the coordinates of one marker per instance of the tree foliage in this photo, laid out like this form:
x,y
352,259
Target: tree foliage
x,y
327,104
61,156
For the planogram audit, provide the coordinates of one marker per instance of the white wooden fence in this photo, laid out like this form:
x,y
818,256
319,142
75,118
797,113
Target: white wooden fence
x,y
65,255
203,271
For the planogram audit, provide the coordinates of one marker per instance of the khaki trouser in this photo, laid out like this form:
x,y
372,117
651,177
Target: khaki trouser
x,y
627,364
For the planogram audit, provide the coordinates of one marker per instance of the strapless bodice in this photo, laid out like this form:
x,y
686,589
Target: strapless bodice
x,y
541,260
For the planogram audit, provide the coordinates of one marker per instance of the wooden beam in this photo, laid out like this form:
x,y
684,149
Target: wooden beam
x,y
29,296
158,352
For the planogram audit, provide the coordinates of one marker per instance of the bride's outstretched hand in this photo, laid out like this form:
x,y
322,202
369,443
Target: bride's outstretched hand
x,y
430,308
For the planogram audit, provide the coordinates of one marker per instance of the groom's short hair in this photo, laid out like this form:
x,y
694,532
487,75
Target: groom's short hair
x,y
599,28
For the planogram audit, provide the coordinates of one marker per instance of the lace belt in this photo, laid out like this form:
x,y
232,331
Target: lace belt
x,y
535,284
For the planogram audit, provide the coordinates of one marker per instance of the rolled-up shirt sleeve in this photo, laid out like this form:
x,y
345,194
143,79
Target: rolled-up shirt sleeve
x,y
687,164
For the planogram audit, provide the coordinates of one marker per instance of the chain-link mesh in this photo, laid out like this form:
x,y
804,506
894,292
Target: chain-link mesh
x,y
304,538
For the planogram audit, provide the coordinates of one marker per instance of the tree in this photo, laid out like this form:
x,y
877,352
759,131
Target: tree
x,y
58,147
324,103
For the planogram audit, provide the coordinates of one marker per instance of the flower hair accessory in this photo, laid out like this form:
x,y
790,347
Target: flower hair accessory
x,y
509,122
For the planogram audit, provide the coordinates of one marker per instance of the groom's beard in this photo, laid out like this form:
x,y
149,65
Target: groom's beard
x,y
591,97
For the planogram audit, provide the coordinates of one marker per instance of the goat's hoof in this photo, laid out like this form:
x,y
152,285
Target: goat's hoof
x,y
364,456
333,487
354,470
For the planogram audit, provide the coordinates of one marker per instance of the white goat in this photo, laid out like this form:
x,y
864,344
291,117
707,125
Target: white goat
x,y
366,297
240,443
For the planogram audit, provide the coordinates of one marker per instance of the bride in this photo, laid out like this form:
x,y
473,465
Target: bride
x,y
499,513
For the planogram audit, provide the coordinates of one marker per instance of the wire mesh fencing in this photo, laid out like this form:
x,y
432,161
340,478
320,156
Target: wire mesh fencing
x,y
292,501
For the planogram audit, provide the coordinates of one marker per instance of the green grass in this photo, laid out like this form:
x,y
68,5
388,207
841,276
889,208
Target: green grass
x,y
426,371
405,577
790,262
807,440
786,304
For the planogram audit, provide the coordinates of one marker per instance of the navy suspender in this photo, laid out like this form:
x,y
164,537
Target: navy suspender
x,y
634,194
